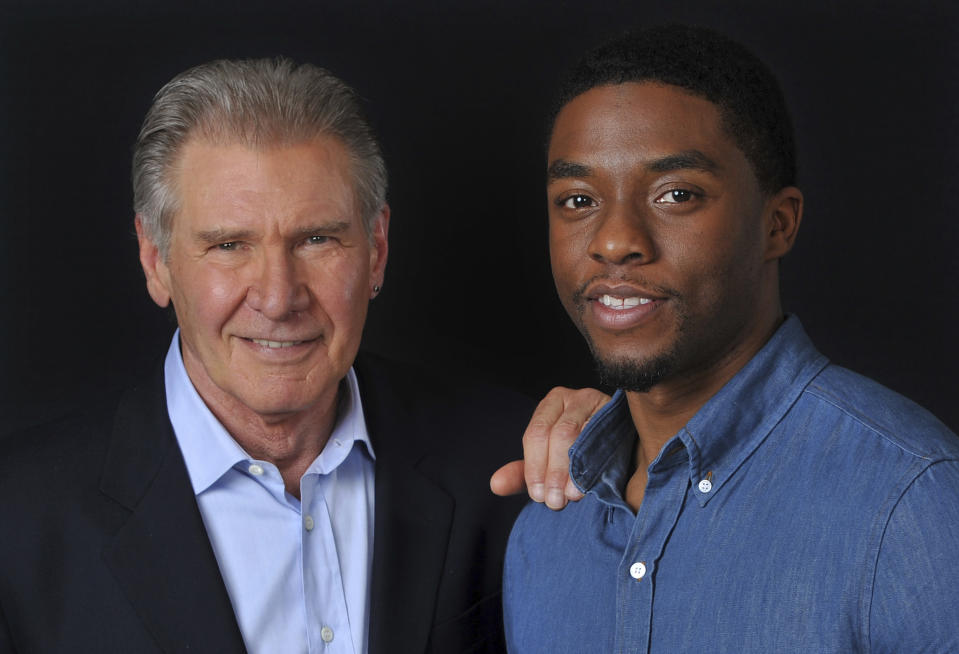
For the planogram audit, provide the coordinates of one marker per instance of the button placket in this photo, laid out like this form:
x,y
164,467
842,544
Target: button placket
x,y
662,504
329,629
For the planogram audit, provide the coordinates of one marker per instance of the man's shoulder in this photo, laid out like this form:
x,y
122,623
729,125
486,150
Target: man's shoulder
x,y
75,434
71,447
877,410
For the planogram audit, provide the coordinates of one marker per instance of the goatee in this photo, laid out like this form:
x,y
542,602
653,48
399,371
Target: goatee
x,y
632,375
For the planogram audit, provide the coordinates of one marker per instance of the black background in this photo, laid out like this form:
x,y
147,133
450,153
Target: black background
x,y
458,93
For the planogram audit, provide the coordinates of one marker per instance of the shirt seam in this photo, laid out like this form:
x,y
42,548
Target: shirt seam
x,y
884,517
825,396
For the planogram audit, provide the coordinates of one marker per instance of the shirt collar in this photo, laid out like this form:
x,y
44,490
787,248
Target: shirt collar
x,y
721,435
208,449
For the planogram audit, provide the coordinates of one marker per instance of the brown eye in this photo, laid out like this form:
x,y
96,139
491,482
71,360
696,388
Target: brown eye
x,y
675,196
578,201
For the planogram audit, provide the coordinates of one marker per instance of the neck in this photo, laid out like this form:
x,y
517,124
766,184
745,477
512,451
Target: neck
x,y
290,442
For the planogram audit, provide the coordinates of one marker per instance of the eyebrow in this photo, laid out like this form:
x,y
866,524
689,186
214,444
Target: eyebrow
x,y
223,235
332,227
564,169
685,160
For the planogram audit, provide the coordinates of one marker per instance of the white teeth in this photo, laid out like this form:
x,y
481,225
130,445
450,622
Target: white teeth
x,y
623,302
275,344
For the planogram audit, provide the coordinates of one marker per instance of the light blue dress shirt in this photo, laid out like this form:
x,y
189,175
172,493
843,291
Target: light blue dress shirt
x,y
804,508
297,571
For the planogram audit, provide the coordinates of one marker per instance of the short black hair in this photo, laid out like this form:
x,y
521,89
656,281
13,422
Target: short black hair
x,y
712,66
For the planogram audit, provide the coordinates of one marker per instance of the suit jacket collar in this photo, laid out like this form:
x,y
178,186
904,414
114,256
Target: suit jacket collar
x,y
163,560
412,520
161,556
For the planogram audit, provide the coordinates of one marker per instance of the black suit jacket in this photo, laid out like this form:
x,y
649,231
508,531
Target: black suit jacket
x,y
102,547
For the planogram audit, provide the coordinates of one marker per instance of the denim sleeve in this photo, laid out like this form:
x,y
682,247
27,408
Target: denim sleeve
x,y
514,565
915,598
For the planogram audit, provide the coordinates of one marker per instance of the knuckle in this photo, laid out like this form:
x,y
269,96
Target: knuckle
x,y
536,432
559,391
556,477
566,428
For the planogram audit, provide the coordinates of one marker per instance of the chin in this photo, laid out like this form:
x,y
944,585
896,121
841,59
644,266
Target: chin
x,y
277,400
629,373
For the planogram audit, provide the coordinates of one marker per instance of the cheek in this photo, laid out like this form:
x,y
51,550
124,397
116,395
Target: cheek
x,y
562,277
222,289
207,300
566,253
343,290
719,267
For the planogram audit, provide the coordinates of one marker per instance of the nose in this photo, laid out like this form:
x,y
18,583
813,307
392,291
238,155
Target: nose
x,y
623,236
277,288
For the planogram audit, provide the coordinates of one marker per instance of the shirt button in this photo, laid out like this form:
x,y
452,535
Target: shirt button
x,y
705,486
308,523
255,469
326,634
637,570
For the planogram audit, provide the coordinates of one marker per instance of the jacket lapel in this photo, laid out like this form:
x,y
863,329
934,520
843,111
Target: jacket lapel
x,y
161,556
411,524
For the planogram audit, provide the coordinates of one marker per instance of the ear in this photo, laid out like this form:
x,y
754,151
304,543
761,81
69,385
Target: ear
x,y
380,249
783,215
156,271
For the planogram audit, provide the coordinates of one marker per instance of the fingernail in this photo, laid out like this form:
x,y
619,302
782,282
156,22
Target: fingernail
x,y
555,499
536,491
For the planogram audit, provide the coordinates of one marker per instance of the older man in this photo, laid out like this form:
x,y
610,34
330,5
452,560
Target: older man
x,y
742,494
260,491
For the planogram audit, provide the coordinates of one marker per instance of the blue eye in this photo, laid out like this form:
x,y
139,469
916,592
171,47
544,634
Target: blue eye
x,y
229,246
317,239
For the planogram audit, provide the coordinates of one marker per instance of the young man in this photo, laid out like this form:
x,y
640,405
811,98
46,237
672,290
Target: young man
x,y
742,493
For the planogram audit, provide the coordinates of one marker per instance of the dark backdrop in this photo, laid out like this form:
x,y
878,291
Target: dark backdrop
x,y
458,92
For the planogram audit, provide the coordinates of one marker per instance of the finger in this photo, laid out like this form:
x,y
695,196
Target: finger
x,y
579,407
561,437
536,443
573,494
508,480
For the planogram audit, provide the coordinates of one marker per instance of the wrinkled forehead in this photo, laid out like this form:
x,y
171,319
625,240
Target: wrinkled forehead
x,y
221,161
231,183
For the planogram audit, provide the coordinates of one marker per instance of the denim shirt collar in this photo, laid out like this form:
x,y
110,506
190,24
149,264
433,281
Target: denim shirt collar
x,y
719,437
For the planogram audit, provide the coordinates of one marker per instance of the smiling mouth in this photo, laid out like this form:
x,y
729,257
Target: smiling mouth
x,y
275,345
620,303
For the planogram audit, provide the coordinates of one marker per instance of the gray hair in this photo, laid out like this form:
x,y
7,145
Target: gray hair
x,y
261,103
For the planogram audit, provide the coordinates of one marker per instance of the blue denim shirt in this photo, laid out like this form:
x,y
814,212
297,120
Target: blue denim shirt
x,y
804,508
